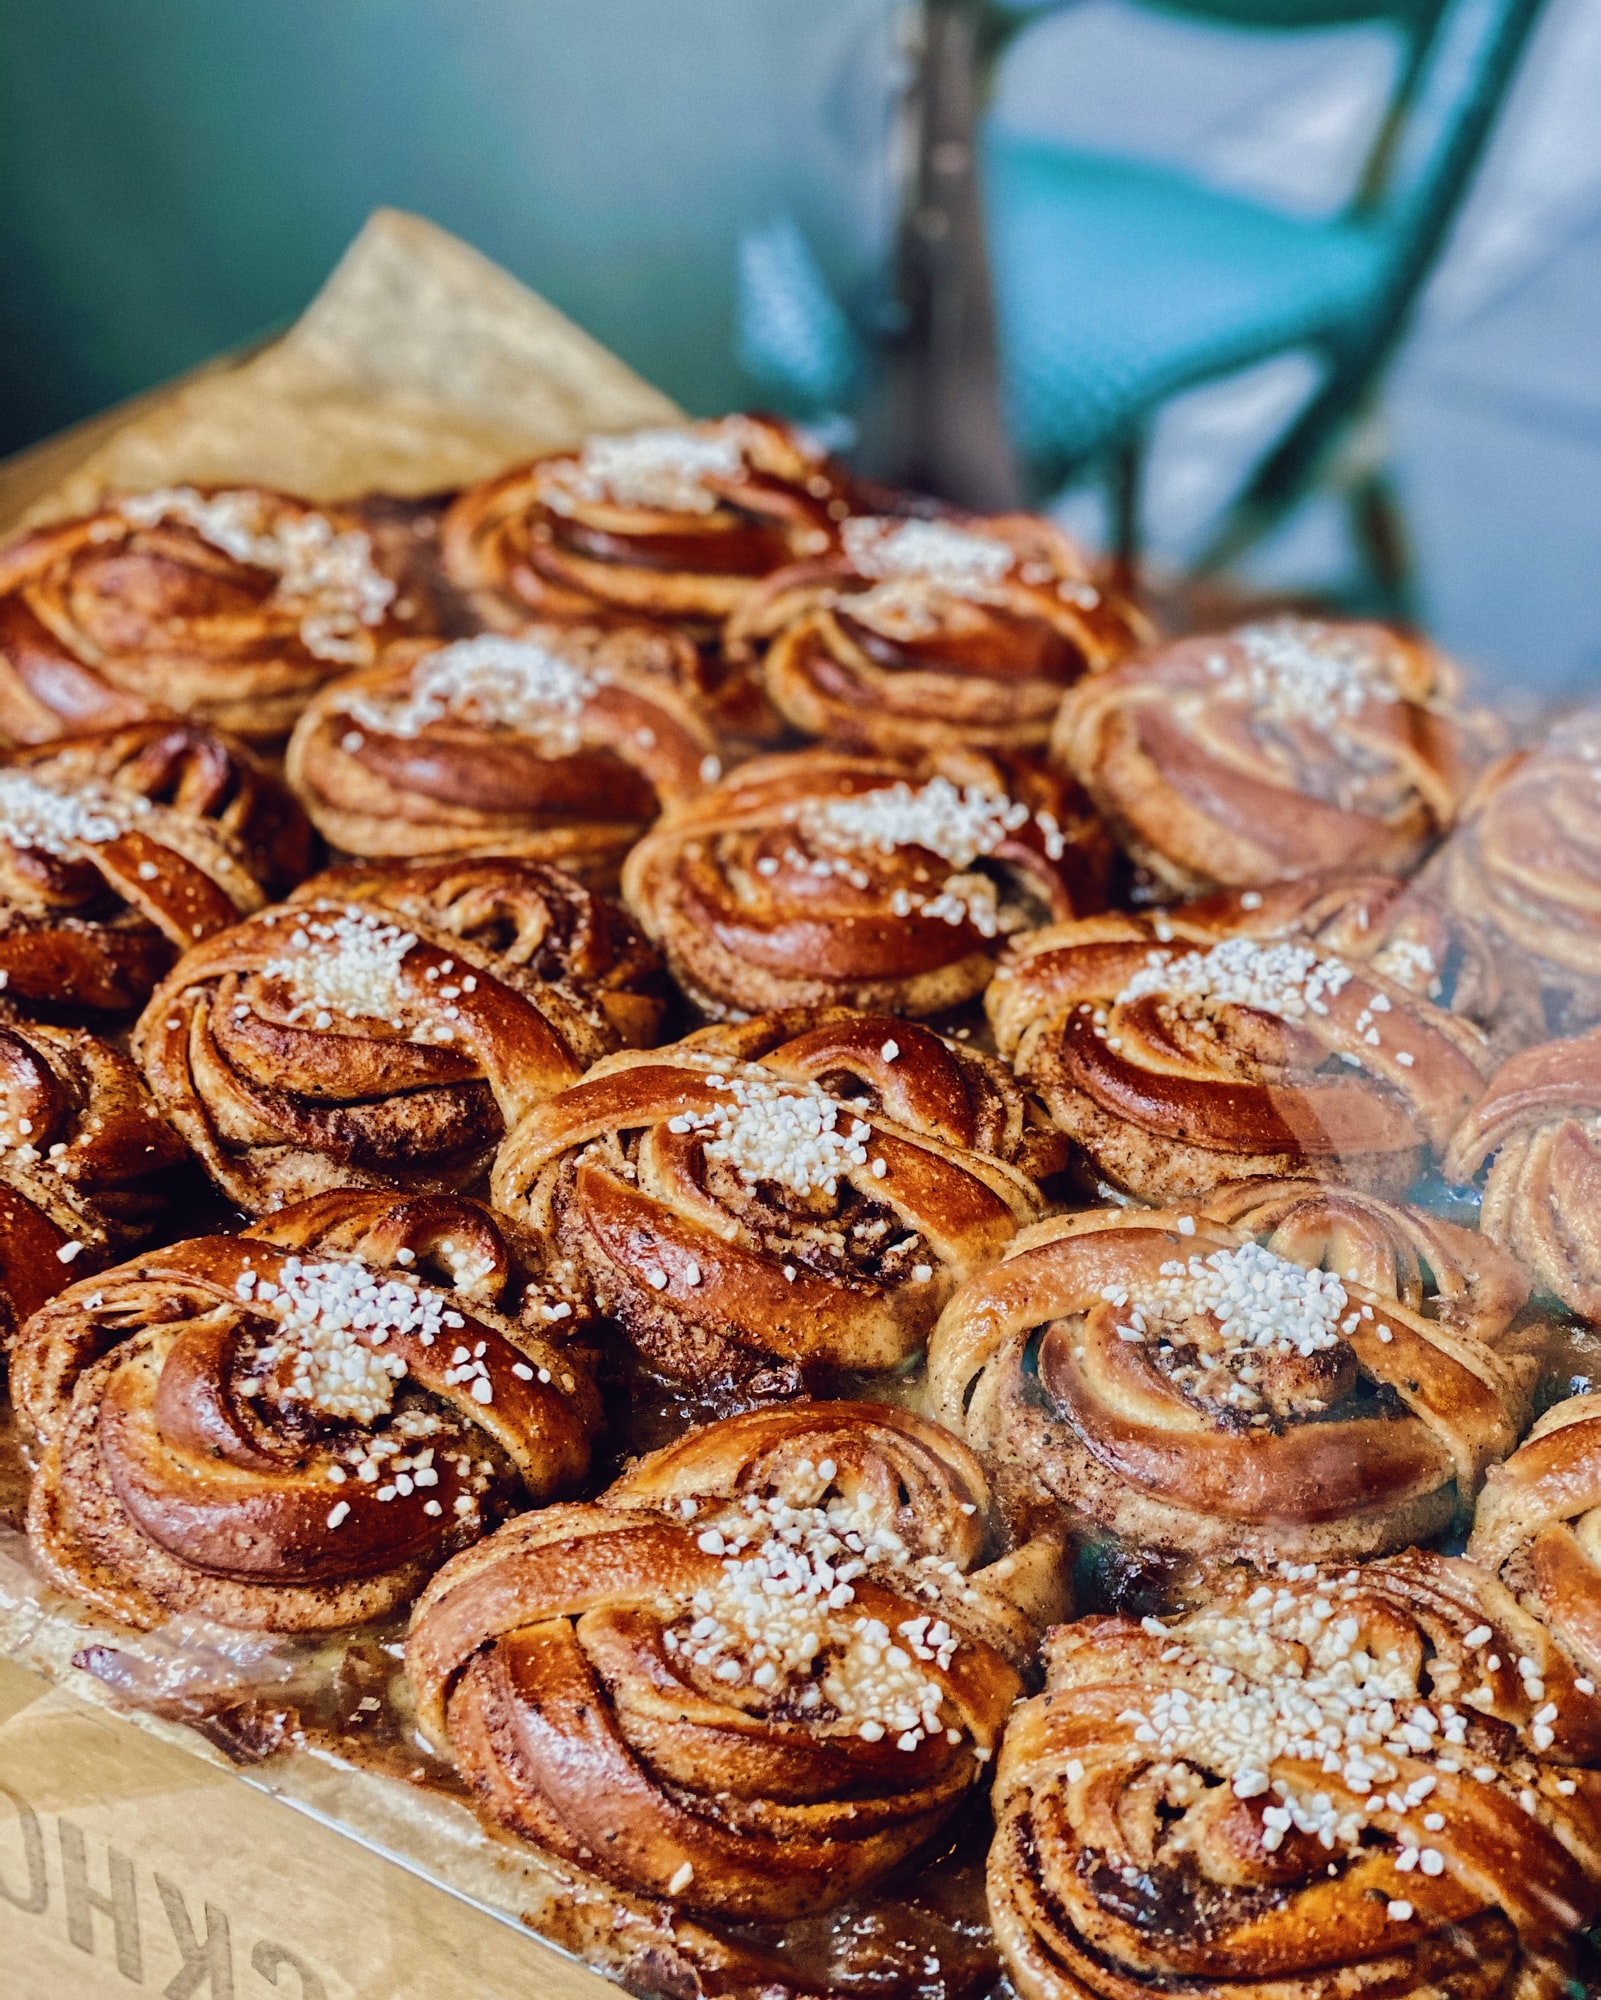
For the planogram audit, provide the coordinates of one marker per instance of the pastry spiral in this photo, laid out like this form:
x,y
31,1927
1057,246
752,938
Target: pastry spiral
x,y
120,850
1274,750
561,742
1539,1125
232,607
822,878
1177,1068
925,635
1316,1786
83,1157
1188,1389
779,1200
292,1428
679,523
387,1027
753,1676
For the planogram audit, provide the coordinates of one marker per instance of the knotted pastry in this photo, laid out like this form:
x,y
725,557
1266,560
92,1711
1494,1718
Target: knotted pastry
x,y
1526,863
231,606
388,1027
1319,1785
680,522
824,878
1187,1389
292,1428
562,742
120,850
1540,1119
780,1200
1176,1069
753,1676
1274,750
83,1156
921,635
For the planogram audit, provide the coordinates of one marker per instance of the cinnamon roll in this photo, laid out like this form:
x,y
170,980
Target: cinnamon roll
x,y
120,850
1539,1125
1185,1388
823,878
84,1158
1526,863
230,606
1274,750
680,522
292,1428
562,742
386,1028
930,634
778,1201
1325,1783
1176,1069
752,1677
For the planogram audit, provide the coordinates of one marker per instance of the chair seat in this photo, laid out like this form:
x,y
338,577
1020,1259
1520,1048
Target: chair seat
x,y
1118,284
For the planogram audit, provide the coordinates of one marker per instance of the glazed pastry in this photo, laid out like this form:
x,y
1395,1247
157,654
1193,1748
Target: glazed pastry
x,y
1317,1786
1175,1383
1539,1125
1274,750
1526,863
777,1201
292,1428
385,1031
84,1156
678,523
758,1672
120,850
824,878
925,635
562,742
231,607
1175,1069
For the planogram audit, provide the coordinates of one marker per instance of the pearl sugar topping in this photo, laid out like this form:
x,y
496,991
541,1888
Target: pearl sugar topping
x,y
490,681
345,960
1288,980
793,1134
1257,1299
955,558
36,815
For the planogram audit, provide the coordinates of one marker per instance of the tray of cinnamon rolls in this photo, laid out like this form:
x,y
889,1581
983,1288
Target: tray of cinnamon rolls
x,y
898,1276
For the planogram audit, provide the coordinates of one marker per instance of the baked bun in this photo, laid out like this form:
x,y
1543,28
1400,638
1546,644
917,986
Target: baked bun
x,y
1314,1786
231,606
756,1674
822,878
563,742
1185,1388
388,1027
781,1200
1539,1125
924,635
84,1160
292,1428
1274,750
1176,1067
680,522
121,849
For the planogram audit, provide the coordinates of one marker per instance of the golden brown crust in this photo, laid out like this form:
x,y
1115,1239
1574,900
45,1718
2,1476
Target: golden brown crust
x,y
1230,1061
616,1686
1275,750
1096,1374
388,1026
682,525
121,849
197,1456
726,1256
1136,1856
773,890
562,742
230,606
926,635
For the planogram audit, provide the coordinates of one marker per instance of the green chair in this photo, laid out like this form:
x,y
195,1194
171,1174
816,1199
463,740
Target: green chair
x,y
1119,283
